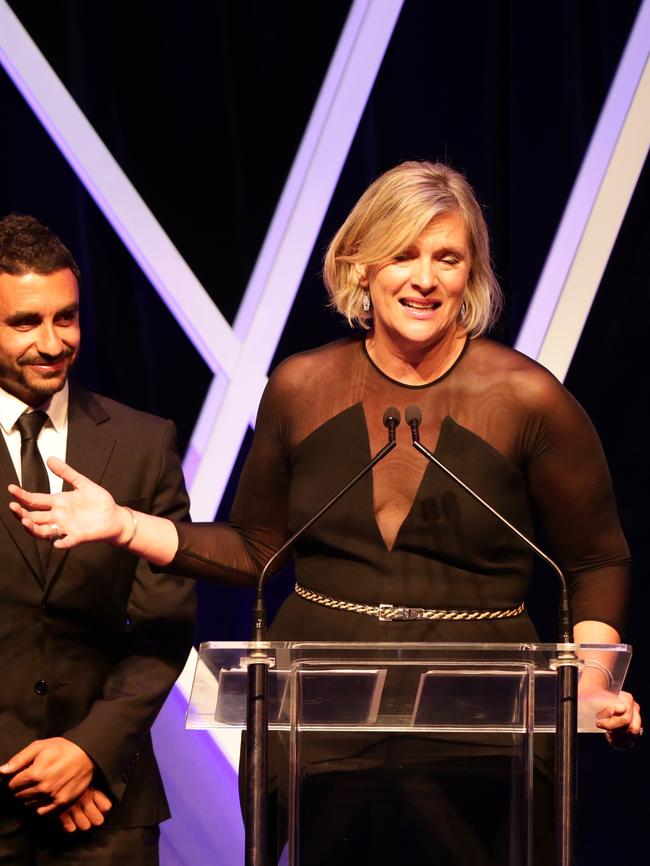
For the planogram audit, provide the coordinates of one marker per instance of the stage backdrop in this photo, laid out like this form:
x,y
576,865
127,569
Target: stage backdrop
x,y
204,105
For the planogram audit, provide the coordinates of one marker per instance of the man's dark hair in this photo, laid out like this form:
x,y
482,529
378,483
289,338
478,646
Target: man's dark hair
x,y
28,246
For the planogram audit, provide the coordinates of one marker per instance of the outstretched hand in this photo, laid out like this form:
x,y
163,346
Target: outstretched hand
x,y
85,513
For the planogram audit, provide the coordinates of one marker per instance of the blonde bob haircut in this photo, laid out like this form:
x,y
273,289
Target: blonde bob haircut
x,y
390,215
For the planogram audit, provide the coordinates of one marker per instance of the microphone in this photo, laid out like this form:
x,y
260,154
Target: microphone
x,y
391,420
413,417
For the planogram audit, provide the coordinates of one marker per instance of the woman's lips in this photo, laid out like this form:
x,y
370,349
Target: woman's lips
x,y
420,307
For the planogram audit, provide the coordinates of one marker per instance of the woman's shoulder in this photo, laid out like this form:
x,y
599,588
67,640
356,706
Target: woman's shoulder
x,y
511,370
304,388
317,365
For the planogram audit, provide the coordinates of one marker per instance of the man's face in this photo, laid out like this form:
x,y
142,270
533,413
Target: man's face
x,y
39,333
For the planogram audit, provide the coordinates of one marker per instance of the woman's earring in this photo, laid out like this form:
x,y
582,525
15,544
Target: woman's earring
x,y
366,302
463,310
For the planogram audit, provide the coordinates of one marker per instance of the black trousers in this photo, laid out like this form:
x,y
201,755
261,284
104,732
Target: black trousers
x,y
101,846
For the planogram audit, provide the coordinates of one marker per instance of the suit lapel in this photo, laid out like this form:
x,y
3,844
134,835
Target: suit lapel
x,y
89,449
22,538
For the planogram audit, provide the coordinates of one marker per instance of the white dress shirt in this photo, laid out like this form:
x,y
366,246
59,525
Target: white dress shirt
x,y
53,438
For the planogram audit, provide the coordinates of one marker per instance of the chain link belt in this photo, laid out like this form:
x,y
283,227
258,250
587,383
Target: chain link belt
x,y
390,612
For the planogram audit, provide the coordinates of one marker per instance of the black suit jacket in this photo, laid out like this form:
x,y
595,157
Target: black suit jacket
x,y
90,649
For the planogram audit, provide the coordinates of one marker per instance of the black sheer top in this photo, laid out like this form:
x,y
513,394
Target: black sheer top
x,y
407,534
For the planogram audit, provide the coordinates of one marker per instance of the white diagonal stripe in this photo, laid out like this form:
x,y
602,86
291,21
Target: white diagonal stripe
x,y
594,212
599,236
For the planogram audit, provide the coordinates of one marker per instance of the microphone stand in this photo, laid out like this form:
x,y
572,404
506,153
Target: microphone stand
x,y
566,664
258,664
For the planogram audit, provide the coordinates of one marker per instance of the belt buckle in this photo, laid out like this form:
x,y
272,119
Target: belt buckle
x,y
390,613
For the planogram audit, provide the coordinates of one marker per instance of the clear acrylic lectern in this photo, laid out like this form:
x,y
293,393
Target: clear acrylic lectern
x,y
459,712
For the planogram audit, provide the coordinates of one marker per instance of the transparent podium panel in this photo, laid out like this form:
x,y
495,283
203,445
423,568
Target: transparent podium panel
x,y
404,753
438,760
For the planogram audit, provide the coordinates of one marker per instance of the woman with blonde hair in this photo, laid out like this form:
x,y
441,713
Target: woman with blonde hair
x,y
389,217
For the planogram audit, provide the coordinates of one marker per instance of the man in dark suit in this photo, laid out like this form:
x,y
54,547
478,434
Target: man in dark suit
x,y
91,640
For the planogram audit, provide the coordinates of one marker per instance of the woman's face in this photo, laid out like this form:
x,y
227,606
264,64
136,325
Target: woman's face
x,y
416,297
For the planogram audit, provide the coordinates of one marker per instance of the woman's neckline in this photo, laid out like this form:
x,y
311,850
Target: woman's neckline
x,y
435,381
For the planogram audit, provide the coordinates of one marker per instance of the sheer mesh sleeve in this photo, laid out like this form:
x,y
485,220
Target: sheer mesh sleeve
x,y
237,551
571,489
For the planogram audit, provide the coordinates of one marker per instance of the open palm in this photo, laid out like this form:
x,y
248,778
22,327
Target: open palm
x,y
85,513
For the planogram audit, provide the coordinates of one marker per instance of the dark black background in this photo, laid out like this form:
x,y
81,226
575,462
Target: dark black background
x,y
204,104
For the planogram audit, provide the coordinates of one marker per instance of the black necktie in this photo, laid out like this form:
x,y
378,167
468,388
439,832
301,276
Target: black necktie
x,y
33,468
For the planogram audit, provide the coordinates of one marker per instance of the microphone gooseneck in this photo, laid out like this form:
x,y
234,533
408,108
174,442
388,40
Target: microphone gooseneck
x,y
413,416
391,420
258,664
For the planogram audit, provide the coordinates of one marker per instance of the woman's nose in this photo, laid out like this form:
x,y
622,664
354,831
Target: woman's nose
x,y
424,274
